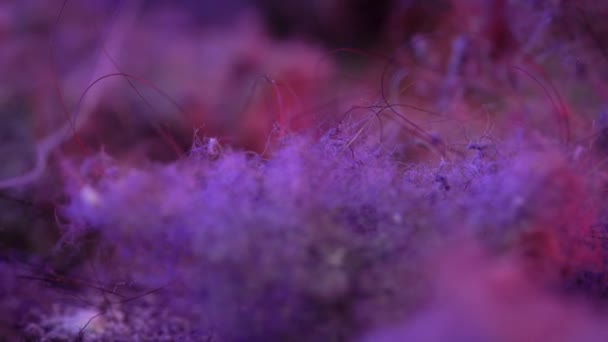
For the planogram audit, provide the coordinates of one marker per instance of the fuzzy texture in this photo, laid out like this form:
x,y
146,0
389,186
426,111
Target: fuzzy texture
x,y
430,192
317,244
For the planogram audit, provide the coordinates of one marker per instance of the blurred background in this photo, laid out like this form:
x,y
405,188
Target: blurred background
x,y
239,67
